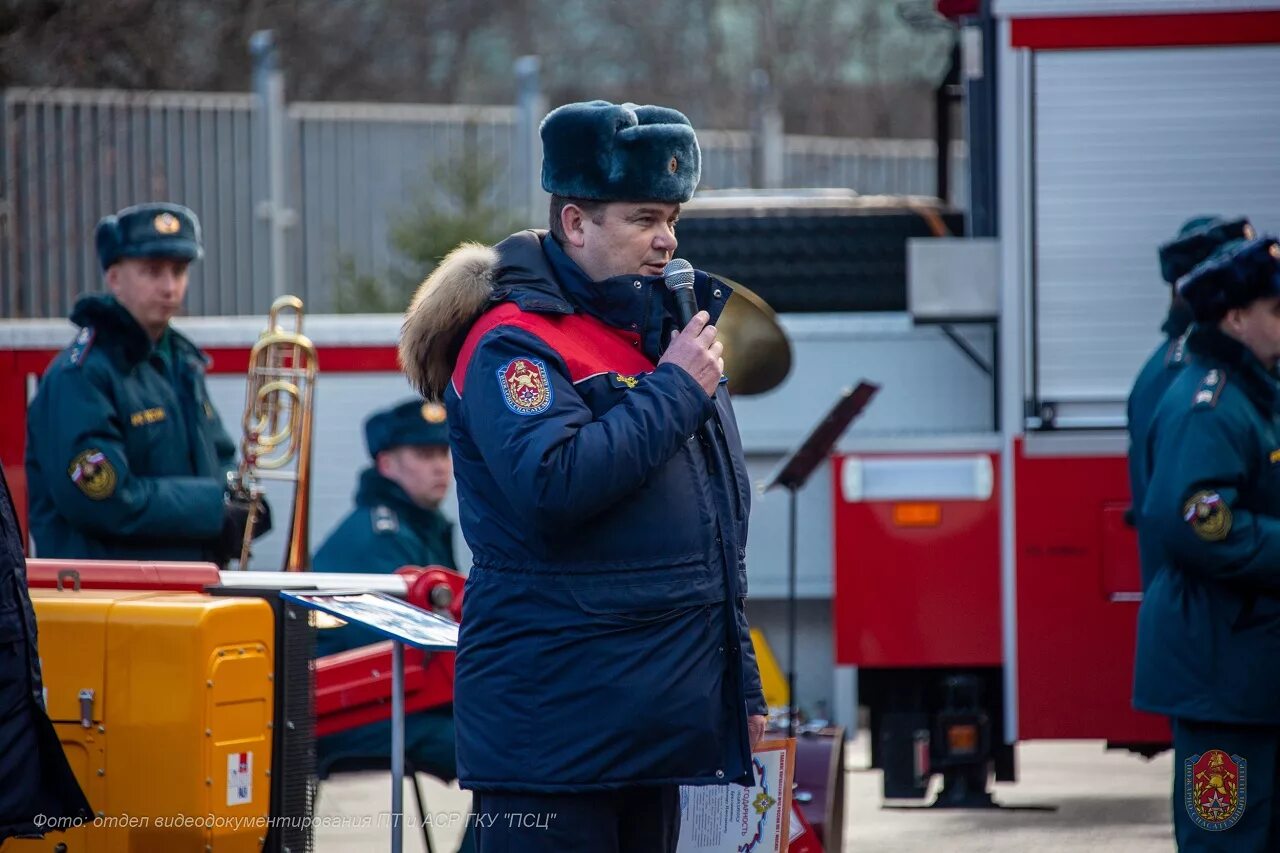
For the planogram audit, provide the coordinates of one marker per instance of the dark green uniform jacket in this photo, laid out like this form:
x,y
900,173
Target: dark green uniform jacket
x,y
126,456
1153,380
1209,624
385,531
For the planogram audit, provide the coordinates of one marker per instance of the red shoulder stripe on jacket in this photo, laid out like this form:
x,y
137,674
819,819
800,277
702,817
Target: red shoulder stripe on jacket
x,y
588,346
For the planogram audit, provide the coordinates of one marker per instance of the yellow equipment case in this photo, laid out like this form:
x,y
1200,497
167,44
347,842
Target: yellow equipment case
x,y
165,703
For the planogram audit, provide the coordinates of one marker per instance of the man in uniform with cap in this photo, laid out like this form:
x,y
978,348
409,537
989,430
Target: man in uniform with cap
x,y
126,455
396,522
604,656
1209,623
1196,240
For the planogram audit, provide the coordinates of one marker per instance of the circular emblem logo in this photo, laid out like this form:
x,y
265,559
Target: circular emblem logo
x,y
433,413
673,165
525,386
92,473
1208,515
167,223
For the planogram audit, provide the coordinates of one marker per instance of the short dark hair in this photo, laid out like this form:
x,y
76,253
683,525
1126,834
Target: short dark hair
x,y
593,208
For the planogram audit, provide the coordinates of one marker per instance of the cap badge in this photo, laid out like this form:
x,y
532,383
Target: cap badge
x,y
167,223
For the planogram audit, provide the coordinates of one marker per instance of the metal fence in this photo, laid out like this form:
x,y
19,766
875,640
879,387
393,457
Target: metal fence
x,y
354,170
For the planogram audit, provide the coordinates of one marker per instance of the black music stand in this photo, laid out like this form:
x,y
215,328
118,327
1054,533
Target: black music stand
x,y
792,474
403,624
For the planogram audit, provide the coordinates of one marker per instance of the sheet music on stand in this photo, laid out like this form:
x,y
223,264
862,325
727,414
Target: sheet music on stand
x,y
403,624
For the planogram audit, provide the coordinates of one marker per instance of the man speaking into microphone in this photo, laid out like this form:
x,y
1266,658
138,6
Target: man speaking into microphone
x,y
604,657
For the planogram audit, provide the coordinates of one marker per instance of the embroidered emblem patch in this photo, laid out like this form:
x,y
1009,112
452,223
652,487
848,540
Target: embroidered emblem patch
x,y
147,416
91,471
622,381
525,386
1208,515
1275,456
1213,787
166,223
433,413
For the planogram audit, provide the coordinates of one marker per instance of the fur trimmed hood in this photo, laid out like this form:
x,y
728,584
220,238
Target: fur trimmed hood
x,y
441,314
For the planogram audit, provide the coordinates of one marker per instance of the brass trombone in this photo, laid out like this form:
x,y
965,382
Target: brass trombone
x,y
277,427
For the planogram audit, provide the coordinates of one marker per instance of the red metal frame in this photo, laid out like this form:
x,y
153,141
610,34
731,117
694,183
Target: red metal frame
x,y
917,596
1077,580
1171,30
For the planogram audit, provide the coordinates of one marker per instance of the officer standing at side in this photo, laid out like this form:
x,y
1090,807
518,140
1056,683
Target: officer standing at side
x,y
126,455
1209,624
1196,240
396,522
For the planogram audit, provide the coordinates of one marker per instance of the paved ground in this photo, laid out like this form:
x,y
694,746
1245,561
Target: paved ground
x,y
1106,801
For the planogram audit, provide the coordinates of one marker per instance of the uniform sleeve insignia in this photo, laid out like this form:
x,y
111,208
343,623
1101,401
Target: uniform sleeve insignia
x,y
1208,515
526,389
1275,456
385,520
619,380
147,416
83,342
1214,789
91,471
1210,389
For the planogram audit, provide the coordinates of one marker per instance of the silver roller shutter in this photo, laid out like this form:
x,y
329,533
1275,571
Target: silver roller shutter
x,y
1128,144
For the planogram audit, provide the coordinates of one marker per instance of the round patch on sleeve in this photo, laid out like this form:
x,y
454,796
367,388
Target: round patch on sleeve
x,y
1208,515
526,388
92,473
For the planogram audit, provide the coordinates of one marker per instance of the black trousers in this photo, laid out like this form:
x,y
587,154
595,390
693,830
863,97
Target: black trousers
x,y
630,820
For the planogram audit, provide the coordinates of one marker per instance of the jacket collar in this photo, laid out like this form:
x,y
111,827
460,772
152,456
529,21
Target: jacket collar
x,y
121,334
376,490
537,274
1214,348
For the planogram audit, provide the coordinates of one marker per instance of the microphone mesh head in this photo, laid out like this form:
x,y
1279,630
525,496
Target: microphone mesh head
x,y
678,274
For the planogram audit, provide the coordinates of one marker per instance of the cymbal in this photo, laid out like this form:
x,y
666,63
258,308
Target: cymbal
x,y
757,353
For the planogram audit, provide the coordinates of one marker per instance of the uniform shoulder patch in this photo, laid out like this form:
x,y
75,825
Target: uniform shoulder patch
x,y
622,380
81,346
1209,390
526,386
1208,515
385,520
92,473
1177,353
1215,787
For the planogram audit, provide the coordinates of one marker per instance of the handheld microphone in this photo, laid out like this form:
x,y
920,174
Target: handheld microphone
x,y
678,276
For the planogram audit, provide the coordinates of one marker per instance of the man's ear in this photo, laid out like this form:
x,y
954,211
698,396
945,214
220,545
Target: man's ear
x,y
572,222
113,278
382,462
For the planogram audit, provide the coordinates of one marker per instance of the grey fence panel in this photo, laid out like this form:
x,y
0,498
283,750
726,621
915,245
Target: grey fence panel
x,y
355,170
72,155
363,168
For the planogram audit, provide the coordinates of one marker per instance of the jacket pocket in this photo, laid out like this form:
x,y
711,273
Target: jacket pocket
x,y
649,595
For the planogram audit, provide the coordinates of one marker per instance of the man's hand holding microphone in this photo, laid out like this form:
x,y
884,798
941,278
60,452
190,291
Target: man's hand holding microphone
x,y
694,349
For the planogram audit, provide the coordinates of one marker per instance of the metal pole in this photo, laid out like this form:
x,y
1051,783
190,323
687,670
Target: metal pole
x,y
397,747
792,705
531,106
268,86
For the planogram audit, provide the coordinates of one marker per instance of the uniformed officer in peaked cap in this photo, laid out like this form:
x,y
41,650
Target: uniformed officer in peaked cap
x,y
126,454
396,522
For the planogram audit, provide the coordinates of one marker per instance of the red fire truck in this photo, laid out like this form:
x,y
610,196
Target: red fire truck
x,y
987,587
